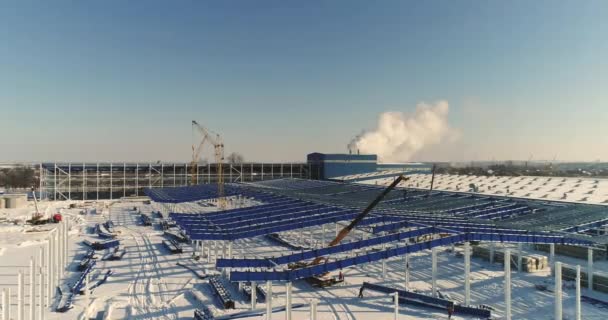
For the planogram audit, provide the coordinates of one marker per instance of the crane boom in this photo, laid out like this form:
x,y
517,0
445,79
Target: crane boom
x,y
432,180
346,230
218,146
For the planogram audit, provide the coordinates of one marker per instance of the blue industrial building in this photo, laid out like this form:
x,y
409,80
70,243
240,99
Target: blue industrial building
x,y
325,166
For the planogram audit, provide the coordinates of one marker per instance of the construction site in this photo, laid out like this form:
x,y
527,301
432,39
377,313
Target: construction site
x,y
336,236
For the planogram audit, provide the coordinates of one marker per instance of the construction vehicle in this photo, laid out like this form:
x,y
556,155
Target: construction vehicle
x,y
346,230
37,216
218,146
325,280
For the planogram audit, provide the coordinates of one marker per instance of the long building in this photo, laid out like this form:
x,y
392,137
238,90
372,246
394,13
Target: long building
x,y
98,181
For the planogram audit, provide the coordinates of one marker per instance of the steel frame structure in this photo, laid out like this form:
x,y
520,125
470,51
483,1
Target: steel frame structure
x,y
101,181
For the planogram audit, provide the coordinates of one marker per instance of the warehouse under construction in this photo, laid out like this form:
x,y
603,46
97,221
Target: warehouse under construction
x,y
335,236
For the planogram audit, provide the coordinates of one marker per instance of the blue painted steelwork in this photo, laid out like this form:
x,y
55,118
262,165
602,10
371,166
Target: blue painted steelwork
x,y
498,215
493,207
245,220
472,208
476,234
310,254
199,192
306,272
411,298
235,213
587,226
267,223
528,238
295,184
294,213
405,222
309,271
285,226
79,284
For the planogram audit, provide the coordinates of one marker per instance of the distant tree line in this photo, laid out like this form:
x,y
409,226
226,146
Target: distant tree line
x,y
19,177
510,169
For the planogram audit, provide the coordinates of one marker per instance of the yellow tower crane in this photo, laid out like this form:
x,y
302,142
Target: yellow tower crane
x,y
218,146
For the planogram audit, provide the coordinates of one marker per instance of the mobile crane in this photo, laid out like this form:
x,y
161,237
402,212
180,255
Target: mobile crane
x,y
324,280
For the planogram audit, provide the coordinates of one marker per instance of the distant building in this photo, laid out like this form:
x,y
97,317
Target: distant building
x,y
354,167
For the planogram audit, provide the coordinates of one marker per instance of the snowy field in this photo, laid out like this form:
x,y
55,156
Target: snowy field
x,y
579,190
147,284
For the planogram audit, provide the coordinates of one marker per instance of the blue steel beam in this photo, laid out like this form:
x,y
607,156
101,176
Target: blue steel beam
x,y
201,226
310,254
497,207
249,214
490,235
528,238
260,231
487,204
200,192
264,212
252,218
429,221
586,226
481,212
504,213
232,213
295,274
483,229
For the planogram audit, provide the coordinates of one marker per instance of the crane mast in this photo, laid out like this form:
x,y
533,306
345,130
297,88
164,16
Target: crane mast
x,y
218,146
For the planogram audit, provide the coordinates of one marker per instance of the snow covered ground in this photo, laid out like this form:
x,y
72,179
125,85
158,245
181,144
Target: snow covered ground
x,y
581,190
147,284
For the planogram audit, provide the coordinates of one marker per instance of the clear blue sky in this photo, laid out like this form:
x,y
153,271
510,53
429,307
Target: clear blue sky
x,y
121,80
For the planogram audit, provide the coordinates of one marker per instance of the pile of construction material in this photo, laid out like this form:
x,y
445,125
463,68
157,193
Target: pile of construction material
x,y
222,293
173,246
530,262
573,251
600,282
13,201
416,299
203,314
248,291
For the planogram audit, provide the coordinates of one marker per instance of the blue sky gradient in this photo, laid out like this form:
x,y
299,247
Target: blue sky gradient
x,y
121,80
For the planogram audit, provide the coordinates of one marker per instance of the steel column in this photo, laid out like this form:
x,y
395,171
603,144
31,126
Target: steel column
x,y
590,269
578,294
434,271
558,291
288,301
467,274
268,300
254,295
507,284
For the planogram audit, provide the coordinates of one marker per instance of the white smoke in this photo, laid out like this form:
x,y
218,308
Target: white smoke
x,y
400,135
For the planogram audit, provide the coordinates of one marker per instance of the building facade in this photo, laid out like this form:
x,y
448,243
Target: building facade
x,y
98,181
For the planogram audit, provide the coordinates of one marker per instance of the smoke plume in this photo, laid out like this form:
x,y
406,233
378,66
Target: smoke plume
x,y
400,135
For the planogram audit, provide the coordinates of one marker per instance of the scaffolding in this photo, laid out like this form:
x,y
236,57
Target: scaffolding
x,y
107,181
